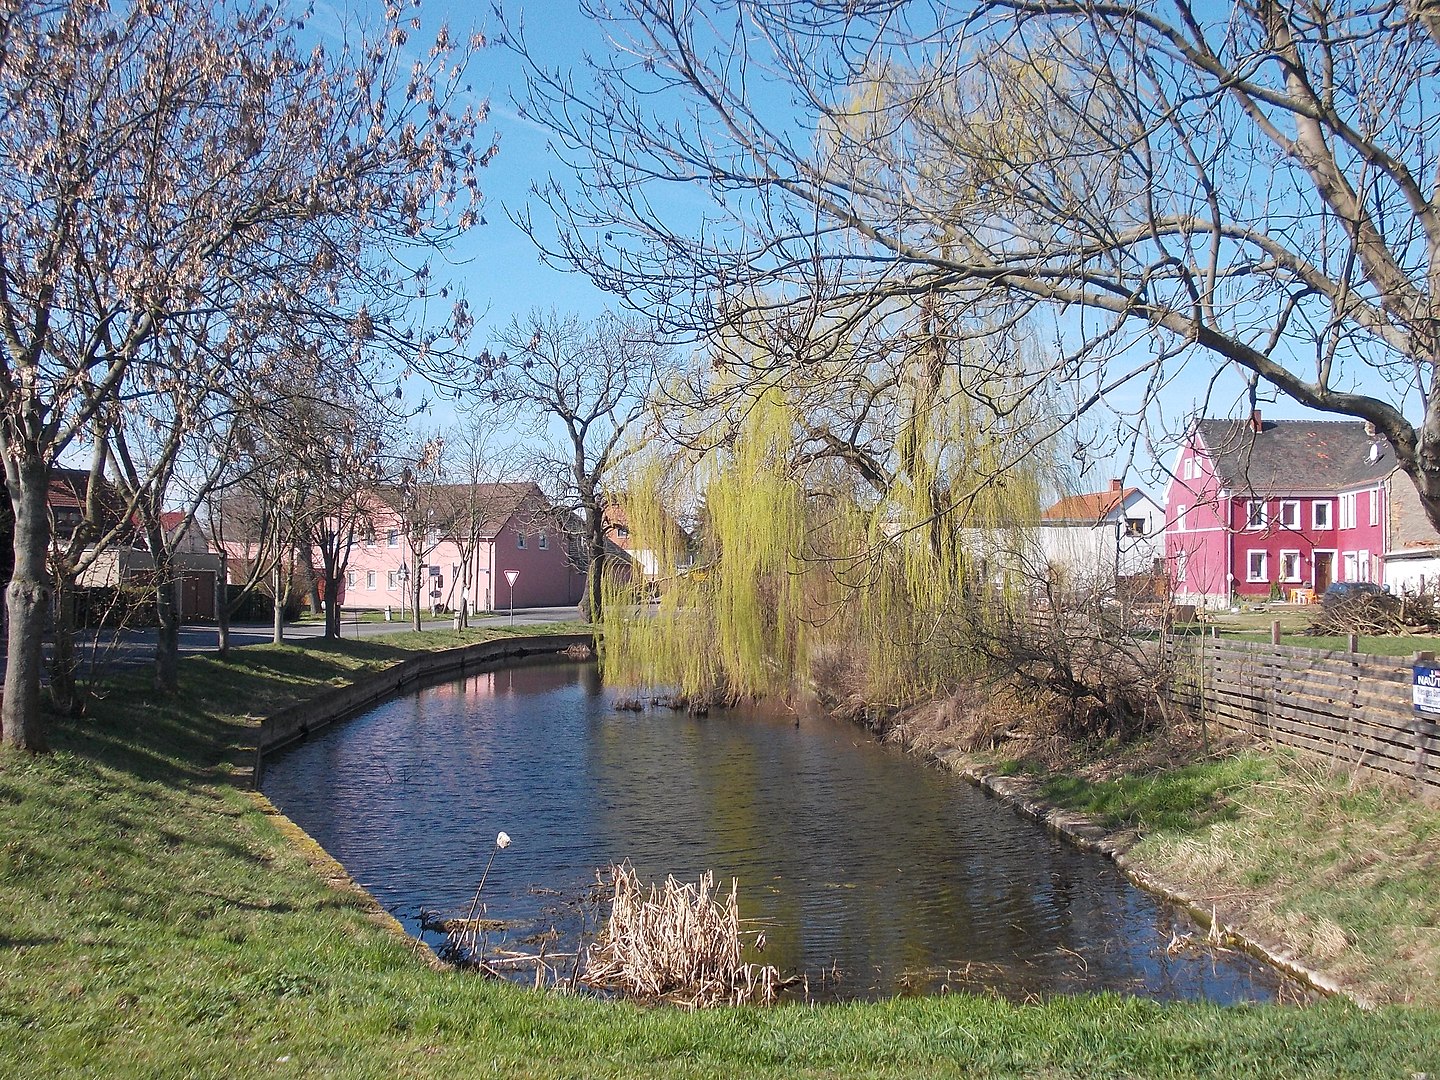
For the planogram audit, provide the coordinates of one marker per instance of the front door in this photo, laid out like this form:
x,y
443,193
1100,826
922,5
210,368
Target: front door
x,y
1324,571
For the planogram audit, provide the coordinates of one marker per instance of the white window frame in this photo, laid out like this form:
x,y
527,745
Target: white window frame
x,y
351,577
370,580
1362,564
1347,510
1329,508
1180,510
1375,506
1290,513
392,538
1263,574
1254,521
1182,566
392,580
1291,576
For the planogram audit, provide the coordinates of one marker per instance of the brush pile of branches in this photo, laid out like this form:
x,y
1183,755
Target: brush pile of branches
x,y
681,944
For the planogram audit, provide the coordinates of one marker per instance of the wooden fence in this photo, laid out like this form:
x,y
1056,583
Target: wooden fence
x,y
1347,706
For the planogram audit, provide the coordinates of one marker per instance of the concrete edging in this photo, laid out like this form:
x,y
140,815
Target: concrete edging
x,y
1088,835
297,721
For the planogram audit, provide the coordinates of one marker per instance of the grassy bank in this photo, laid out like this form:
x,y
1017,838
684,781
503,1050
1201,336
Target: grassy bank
x,y
1342,872
156,918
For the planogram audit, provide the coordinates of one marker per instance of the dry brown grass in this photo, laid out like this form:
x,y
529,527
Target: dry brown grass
x,y
681,944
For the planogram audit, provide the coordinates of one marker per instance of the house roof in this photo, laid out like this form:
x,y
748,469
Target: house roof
x,y
496,503
1089,508
1295,455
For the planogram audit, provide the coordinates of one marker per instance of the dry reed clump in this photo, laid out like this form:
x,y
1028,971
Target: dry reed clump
x,y
681,944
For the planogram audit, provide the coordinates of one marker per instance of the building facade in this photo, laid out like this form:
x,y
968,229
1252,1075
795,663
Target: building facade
x,y
1263,508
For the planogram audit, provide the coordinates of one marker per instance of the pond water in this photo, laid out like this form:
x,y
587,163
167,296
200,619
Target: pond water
x,y
869,871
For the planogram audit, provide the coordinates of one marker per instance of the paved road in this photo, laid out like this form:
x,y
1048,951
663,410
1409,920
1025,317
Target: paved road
x,y
136,648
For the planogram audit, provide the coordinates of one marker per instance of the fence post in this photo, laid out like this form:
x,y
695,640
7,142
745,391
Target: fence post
x,y
1352,643
1275,632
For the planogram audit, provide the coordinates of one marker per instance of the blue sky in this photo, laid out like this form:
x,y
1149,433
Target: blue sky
x,y
501,273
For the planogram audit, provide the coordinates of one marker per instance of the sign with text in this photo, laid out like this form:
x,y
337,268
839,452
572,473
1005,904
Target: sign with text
x,y
1425,689
511,575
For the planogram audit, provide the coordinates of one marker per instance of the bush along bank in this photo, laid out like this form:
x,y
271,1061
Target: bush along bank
x,y
1333,878
160,920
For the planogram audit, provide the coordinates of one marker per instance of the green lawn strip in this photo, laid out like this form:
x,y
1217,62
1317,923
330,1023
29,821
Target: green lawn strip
x,y
1345,872
1405,645
157,919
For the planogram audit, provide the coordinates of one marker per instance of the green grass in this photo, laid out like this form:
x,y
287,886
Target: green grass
x,y
1184,799
158,919
1345,873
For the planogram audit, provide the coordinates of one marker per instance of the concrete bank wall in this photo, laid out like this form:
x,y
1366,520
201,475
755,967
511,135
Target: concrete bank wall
x,y
297,721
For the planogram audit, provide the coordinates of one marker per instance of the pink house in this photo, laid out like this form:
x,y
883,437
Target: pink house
x,y
1257,507
467,536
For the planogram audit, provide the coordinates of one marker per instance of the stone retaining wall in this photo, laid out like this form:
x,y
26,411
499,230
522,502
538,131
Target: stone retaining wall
x,y
297,721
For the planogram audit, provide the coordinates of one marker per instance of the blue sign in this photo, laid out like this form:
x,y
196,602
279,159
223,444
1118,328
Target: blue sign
x,y
1425,689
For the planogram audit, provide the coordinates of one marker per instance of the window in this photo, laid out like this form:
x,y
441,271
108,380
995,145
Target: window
x,y
1180,517
1256,569
1322,514
1362,565
1134,526
1255,515
1290,566
391,579
1347,513
1349,566
369,536
370,579
544,542
1375,506
622,532
1182,564
519,539
1290,514
392,538
350,578
432,537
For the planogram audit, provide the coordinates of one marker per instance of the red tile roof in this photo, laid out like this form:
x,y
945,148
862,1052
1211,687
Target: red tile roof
x,y
1095,506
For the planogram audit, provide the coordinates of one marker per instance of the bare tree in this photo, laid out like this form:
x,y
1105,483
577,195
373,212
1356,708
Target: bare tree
x,y
1246,184
588,381
475,500
189,162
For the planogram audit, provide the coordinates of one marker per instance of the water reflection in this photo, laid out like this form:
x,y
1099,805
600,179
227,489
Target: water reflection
x,y
854,857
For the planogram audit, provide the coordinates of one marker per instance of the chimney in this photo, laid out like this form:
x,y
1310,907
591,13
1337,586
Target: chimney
x,y
1117,485
1256,424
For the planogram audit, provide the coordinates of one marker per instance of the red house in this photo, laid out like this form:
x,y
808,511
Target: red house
x,y
1259,508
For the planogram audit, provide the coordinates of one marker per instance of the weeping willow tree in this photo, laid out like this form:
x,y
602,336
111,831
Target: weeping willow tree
x,y
799,552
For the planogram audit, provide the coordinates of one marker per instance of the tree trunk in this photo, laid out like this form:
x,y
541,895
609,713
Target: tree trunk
x,y
595,540
27,602
277,631
416,585
167,627
332,610
222,607
63,664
